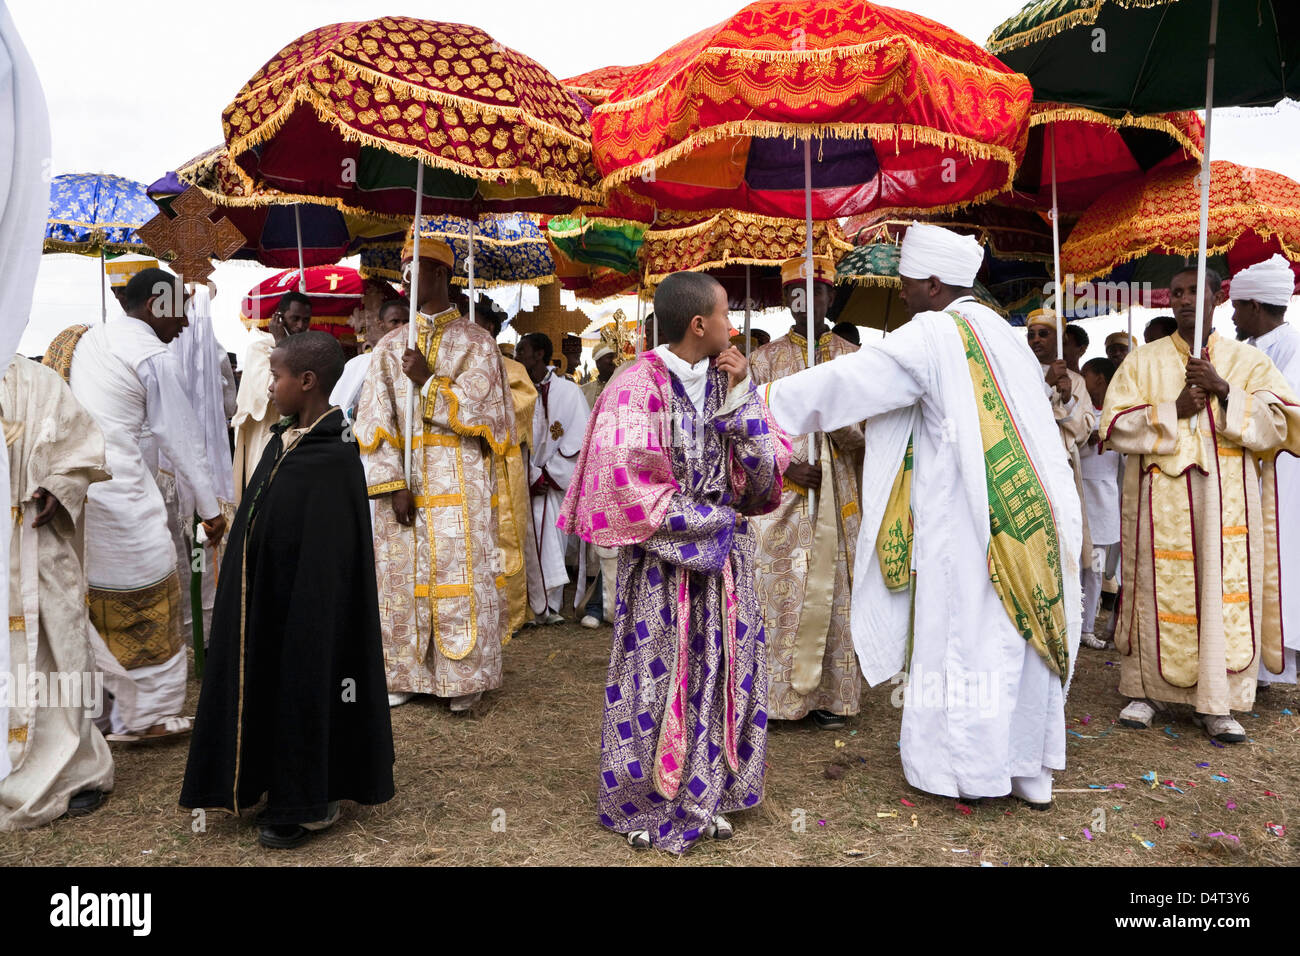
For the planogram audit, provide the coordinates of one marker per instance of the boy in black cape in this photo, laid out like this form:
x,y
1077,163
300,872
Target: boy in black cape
x,y
294,704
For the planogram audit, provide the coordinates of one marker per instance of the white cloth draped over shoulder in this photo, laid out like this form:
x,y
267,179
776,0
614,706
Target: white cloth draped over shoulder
x,y
1282,345
254,413
982,708
24,204
559,424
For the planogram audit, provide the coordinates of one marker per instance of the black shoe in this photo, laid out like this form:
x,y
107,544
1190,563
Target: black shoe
x,y
282,836
828,721
84,802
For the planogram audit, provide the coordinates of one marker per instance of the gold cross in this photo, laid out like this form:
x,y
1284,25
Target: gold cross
x,y
190,236
335,279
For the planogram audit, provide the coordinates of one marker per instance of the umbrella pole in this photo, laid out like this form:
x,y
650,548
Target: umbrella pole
x,y
469,265
748,308
411,313
1056,253
808,292
1205,185
297,228
1194,348
103,296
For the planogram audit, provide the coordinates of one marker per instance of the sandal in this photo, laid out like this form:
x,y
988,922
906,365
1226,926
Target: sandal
x,y
169,728
639,839
720,829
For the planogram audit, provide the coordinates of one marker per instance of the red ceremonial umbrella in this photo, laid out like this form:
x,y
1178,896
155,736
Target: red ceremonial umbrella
x,y
334,291
908,115
400,115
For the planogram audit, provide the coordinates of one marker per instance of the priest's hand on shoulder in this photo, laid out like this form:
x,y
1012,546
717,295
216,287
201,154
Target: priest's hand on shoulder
x,y
49,506
1190,402
805,475
1201,374
415,367
215,529
734,363
404,506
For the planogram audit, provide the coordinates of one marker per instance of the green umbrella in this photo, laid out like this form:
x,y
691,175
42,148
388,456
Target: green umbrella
x,y
867,284
1133,57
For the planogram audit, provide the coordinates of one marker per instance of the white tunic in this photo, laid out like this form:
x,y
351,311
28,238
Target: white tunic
x,y
559,424
1100,468
1282,345
982,706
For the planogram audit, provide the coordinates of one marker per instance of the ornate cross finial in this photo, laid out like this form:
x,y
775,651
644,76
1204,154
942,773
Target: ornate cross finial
x,y
190,236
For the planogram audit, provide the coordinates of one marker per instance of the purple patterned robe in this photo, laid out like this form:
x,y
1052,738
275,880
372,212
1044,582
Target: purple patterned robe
x,y
685,726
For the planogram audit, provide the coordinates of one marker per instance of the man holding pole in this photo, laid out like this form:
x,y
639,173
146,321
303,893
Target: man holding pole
x,y
442,602
1199,610
806,547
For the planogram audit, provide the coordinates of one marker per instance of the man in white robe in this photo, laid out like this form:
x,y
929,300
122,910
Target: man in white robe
x,y
984,709
346,394
559,423
123,374
254,413
1100,470
1260,295
61,763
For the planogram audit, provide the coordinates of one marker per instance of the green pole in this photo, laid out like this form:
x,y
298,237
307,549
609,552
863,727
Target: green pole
x,y
196,602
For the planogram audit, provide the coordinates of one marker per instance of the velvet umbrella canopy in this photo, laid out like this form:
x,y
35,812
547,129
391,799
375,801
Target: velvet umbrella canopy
x,y
1254,213
279,232
907,114
333,290
343,114
1141,57
509,249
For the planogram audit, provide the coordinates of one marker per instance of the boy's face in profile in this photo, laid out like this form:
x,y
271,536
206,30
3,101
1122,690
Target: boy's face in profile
x,y
286,389
1096,384
717,327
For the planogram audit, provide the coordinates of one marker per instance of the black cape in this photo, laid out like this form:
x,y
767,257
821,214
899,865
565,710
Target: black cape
x,y
308,723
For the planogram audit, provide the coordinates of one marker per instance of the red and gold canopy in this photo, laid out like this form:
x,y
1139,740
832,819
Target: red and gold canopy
x,y
699,242
1014,234
905,114
1253,214
1095,152
334,113
596,85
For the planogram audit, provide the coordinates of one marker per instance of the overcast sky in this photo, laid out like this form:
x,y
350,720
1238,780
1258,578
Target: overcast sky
x,y
136,88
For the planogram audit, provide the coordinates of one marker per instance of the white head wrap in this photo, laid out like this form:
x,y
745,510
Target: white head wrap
x,y
1270,282
934,251
601,351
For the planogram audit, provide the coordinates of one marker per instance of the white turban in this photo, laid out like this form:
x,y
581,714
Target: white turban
x,y
934,251
1269,282
601,351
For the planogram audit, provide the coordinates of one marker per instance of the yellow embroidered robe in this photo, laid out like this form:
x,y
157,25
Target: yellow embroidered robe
x,y
799,683
1200,594
442,601
512,501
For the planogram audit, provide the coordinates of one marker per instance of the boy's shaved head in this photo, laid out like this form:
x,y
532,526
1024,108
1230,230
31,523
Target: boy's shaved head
x,y
681,297
317,351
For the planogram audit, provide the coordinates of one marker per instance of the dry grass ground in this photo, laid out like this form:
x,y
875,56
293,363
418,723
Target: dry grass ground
x,y
528,758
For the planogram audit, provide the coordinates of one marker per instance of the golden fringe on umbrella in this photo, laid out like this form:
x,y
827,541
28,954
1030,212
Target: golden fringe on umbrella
x,y
194,172
1292,252
1050,28
327,113
1082,114
876,132
890,46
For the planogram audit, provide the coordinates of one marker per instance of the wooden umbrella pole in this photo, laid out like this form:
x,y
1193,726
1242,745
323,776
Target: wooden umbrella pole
x,y
749,302
469,267
297,228
1201,241
1056,252
808,293
411,313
